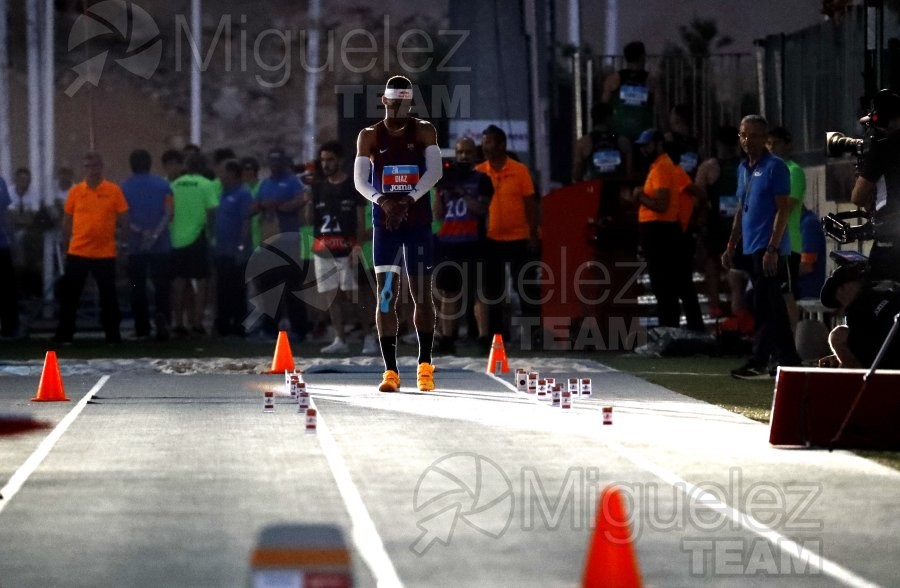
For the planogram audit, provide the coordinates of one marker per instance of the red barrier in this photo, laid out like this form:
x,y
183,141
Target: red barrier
x,y
585,293
810,404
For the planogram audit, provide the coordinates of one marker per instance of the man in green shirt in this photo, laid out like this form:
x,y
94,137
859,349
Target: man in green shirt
x,y
780,143
195,200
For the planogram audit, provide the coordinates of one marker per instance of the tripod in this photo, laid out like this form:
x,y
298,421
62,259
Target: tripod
x,y
866,378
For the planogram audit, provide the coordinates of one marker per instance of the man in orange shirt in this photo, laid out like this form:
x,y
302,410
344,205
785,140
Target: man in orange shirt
x,y
512,232
94,210
659,230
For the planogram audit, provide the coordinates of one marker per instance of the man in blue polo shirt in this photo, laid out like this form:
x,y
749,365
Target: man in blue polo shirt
x,y
764,191
149,199
280,200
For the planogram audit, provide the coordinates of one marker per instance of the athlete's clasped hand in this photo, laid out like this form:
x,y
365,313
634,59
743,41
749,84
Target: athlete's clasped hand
x,y
395,210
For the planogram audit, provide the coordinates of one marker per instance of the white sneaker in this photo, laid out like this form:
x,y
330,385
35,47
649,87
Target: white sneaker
x,y
336,346
370,346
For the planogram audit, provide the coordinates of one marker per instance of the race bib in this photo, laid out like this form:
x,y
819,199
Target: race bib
x,y
634,95
606,160
728,205
688,161
399,178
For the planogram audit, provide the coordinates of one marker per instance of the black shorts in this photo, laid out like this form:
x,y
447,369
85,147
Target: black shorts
x,y
191,262
793,267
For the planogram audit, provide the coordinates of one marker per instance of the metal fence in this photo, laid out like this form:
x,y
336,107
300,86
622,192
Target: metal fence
x,y
718,89
814,79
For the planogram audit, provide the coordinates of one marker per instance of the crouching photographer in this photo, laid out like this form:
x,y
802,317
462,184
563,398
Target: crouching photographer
x,y
877,187
869,308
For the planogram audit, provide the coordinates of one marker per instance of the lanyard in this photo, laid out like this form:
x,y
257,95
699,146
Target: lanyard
x,y
748,183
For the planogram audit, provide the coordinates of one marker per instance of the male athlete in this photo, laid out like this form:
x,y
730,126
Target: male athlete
x,y
397,162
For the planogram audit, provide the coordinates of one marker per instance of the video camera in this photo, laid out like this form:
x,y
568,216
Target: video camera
x,y
885,105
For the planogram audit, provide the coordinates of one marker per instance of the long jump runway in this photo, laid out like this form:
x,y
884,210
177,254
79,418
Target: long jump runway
x,y
156,479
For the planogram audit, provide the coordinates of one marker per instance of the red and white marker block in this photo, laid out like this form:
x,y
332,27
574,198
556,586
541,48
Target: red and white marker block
x,y
585,386
521,380
532,382
302,400
607,415
268,401
542,389
292,382
555,395
574,388
565,402
311,420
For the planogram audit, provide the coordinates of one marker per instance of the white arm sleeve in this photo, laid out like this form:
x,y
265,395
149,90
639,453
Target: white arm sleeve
x,y
433,172
361,171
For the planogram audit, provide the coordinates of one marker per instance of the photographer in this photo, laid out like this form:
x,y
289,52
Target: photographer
x,y
869,307
877,188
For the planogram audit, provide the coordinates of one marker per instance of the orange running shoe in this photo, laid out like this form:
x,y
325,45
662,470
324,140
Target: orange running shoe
x,y
425,377
390,382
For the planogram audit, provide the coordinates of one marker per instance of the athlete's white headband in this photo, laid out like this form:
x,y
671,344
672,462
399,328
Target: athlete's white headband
x,y
398,93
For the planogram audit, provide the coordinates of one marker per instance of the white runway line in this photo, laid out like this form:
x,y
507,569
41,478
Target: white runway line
x,y
783,543
365,536
31,464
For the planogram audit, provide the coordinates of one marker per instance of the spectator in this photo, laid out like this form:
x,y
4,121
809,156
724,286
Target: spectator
x,y
717,181
811,274
149,200
250,167
688,197
65,177
194,201
232,249
597,154
869,307
27,234
53,255
281,197
761,226
683,147
9,300
94,210
173,164
338,226
659,231
220,156
780,143
397,179
512,234
463,198
630,93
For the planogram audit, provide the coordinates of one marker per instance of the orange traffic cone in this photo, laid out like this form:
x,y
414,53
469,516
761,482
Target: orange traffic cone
x,y
611,561
283,359
50,388
497,359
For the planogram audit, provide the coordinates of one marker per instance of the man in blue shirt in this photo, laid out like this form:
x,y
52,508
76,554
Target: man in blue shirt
x,y
280,199
232,249
764,191
9,302
149,199
812,256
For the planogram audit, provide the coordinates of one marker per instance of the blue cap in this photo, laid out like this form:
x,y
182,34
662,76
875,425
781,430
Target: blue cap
x,y
648,136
